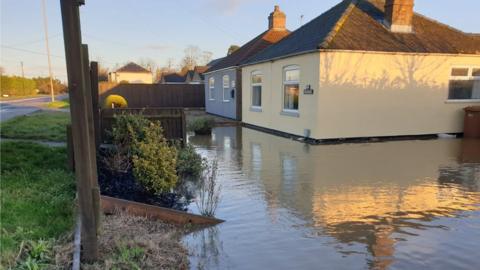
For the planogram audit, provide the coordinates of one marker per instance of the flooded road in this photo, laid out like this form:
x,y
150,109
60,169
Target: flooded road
x,y
391,205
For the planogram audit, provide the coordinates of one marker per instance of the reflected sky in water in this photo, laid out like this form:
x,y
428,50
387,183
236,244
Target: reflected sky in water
x,y
391,205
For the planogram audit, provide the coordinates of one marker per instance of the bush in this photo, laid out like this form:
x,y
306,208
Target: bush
x,y
17,86
189,162
139,143
115,101
154,161
201,125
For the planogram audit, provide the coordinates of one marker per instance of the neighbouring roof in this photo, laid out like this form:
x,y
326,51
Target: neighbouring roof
x,y
200,69
214,61
132,67
358,25
251,48
173,78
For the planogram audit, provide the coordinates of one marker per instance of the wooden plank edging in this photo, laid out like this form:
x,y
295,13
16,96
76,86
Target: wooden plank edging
x,y
110,205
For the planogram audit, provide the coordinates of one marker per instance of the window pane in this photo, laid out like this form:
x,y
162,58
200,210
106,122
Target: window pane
x,y
292,75
212,93
226,94
459,71
211,82
476,89
476,72
256,78
290,99
460,89
226,81
257,96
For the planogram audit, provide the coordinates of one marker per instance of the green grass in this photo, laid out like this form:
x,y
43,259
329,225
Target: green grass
x,y
47,126
59,104
37,196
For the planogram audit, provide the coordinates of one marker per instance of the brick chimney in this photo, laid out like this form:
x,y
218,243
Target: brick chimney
x,y
277,19
399,15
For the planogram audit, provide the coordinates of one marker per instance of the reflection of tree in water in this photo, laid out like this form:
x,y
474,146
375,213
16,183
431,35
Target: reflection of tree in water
x,y
208,248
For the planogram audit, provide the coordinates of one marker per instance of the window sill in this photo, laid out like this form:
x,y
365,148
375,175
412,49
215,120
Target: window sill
x,y
290,113
211,99
225,101
255,109
462,101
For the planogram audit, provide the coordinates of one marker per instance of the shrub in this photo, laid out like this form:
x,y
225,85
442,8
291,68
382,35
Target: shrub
x,y
202,125
154,161
139,144
189,162
209,191
115,101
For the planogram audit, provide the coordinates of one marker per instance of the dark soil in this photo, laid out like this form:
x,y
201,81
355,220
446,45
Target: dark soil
x,y
123,186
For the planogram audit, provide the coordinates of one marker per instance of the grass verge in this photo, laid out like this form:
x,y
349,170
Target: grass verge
x,y
48,126
59,104
37,198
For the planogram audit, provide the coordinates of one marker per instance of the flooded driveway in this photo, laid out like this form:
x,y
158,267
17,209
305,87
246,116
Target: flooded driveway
x,y
391,205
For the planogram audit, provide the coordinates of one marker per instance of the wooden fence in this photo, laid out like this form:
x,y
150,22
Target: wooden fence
x,y
172,120
156,95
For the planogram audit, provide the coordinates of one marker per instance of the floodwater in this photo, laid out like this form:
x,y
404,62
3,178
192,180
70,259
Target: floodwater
x,y
391,205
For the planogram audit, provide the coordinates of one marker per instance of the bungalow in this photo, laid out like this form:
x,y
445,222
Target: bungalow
x,y
364,68
131,73
223,89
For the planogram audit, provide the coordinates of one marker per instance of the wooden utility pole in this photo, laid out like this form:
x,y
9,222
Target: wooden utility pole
x,y
83,134
45,26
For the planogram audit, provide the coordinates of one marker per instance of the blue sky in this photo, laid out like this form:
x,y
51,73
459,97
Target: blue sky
x,y
119,31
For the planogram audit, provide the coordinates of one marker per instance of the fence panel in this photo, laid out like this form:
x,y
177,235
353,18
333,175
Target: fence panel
x,y
157,95
171,119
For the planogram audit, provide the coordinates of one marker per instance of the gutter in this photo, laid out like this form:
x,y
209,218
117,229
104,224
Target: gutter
x,y
356,51
222,69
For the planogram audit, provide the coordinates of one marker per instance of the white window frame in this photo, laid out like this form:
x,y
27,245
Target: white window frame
x,y
211,88
226,86
468,77
284,79
256,72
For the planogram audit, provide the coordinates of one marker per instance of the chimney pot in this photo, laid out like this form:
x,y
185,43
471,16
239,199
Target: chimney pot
x,y
277,19
399,15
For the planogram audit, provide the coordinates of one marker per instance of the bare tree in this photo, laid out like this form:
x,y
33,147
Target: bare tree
x,y
148,63
191,57
2,70
206,58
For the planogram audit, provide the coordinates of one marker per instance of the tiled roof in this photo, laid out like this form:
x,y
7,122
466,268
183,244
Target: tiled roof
x,y
251,48
358,25
132,67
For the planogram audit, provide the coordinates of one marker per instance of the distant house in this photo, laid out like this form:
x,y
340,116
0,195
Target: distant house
x,y
223,89
172,78
364,68
131,73
195,76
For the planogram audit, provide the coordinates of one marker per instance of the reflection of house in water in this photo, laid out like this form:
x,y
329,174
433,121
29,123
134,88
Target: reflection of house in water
x,y
364,193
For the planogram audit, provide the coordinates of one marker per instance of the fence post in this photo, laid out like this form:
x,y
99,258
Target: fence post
x,y
82,124
96,108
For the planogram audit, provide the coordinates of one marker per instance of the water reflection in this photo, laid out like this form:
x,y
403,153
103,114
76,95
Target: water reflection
x,y
344,205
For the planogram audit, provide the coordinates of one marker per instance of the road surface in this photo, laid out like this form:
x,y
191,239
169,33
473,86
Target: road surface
x,y
13,108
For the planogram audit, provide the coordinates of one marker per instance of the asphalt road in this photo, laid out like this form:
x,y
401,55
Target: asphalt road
x,y
13,108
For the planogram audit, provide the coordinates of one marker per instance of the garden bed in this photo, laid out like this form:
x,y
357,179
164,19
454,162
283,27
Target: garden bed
x,y
124,186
